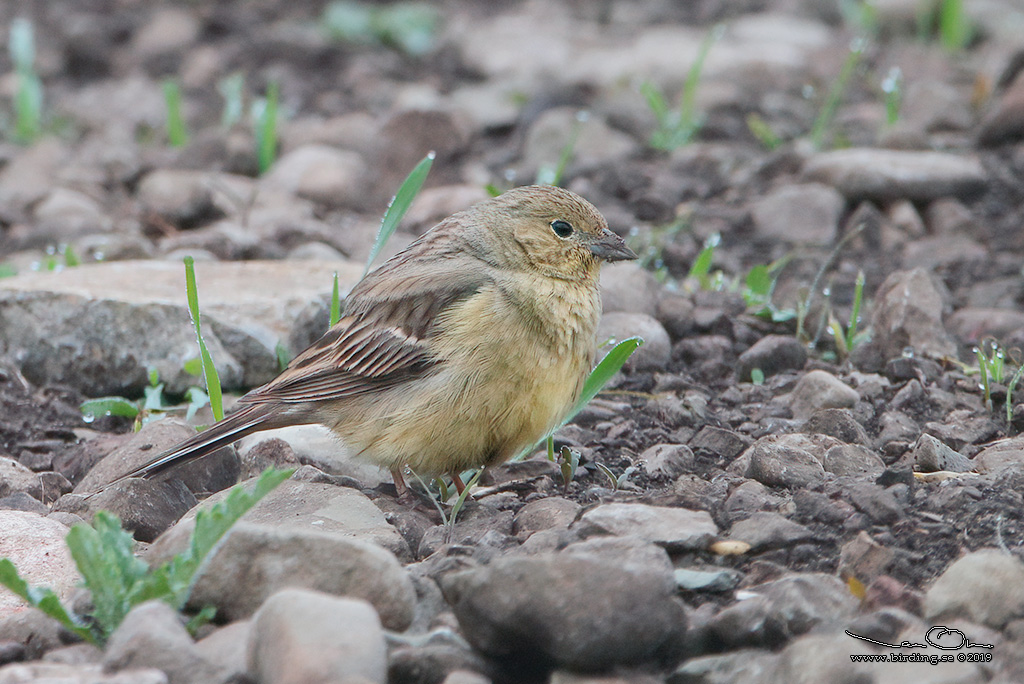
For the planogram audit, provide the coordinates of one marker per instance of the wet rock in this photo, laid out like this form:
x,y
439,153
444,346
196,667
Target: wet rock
x,y
320,173
909,307
867,173
211,473
676,529
772,354
306,636
656,350
100,327
853,459
145,507
782,609
544,514
985,586
541,610
818,389
152,635
838,423
931,455
35,545
766,530
805,214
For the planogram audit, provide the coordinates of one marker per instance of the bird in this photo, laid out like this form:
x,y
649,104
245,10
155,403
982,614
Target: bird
x,y
462,350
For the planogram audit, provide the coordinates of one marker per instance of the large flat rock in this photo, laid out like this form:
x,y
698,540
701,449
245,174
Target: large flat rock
x,y
99,327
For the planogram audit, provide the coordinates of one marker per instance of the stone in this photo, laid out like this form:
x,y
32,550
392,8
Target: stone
x,y
1005,123
653,354
743,665
818,389
100,327
783,608
877,174
985,586
909,308
975,324
876,502
317,446
320,173
47,673
226,646
676,529
864,559
853,460
777,463
943,251
803,214
595,141
838,423
772,354
168,29
931,455
544,514
666,460
437,662
544,609
145,507
28,176
765,530
1000,455
153,635
66,214
182,197
629,288
35,545
724,443
301,636
211,473
256,559
16,478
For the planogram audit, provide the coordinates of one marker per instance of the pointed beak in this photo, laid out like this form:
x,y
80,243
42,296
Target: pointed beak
x,y
610,247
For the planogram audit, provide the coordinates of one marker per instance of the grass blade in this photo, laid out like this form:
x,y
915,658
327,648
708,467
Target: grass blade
x,y
335,302
599,377
400,204
209,369
177,135
109,406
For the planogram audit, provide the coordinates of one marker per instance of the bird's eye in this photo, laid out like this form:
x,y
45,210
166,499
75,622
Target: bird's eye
x,y
563,229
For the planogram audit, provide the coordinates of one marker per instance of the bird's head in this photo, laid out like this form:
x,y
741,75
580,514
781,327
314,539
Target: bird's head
x,y
553,231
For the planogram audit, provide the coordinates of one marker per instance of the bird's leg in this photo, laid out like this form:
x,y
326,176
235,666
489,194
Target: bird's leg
x,y
402,489
459,484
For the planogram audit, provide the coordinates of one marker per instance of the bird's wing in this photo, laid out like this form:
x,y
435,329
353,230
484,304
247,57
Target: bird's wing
x,y
384,337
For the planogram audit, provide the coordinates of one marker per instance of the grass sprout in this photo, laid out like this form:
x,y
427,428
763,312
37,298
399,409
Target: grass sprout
x,y
677,127
400,204
410,27
836,92
210,374
28,94
552,175
177,134
764,133
846,340
264,117
117,580
892,88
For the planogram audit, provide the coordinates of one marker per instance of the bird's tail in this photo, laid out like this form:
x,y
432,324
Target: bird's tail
x,y
251,418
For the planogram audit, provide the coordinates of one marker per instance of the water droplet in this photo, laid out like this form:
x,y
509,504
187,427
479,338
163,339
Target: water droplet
x,y
88,417
808,91
908,352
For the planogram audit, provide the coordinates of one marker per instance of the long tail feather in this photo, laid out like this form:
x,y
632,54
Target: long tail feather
x,y
250,419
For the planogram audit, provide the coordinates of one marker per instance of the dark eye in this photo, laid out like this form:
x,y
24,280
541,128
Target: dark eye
x,y
563,229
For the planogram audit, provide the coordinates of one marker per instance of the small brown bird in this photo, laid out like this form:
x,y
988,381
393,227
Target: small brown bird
x,y
460,351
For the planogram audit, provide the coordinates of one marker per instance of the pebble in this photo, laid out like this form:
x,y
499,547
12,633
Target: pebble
x,y
864,559
853,460
629,288
776,463
766,530
1001,455
146,508
909,308
544,514
869,173
300,636
818,389
985,586
666,460
838,423
772,354
653,354
804,214
35,545
320,173
676,529
931,455
577,611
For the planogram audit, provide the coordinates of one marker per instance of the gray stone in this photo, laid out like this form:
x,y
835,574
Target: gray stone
x,y
931,455
100,327
782,609
748,665
146,507
256,559
595,141
35,545
653,354
975,324
818,389
576,611
211,473
772,354
666,460
764,530
676,529
985,586
719,579
778,463
909,307
153,635
15,478
60,673
869,173
853,459
182,197
320,173
301,636
1005,122
724,443
838,423
317,446
168,29
864,559
66,214
544,514
804,214
226,646
629,288
1000,455
876,502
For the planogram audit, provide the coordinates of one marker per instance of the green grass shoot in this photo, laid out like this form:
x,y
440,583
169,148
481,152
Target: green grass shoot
x,y
552,175
410,27
892,88
118,581
177,133
764,133
209,369
677,127
835,94
1009,393
955,30
335,302
264,117
400,204
28,95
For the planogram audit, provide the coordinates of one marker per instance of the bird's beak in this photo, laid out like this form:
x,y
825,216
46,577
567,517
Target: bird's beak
x,y
611,247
